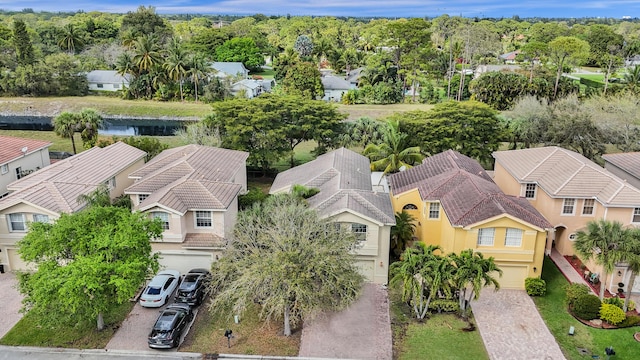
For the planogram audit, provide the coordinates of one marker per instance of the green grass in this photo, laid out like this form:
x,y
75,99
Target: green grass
x,y
594,77
29,331
265,73
553,309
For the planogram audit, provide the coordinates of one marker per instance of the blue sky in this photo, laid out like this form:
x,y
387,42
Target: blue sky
x,y
388,8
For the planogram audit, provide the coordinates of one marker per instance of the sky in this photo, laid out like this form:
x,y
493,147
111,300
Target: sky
x,y
358,8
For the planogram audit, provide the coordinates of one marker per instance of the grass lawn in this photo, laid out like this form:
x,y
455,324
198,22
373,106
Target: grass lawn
x,y
553,309
439,337
29,331
594,77
251,336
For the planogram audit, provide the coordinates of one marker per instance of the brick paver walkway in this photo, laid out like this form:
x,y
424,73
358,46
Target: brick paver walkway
x,y
512,328
566,269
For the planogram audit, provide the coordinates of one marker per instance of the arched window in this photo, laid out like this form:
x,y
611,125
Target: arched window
x,y
409,207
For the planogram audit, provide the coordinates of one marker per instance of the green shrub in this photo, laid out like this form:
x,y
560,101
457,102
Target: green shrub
x,y
535,286
444,305
587,307
612,314
252,196
630,321
614,301
632,305
574,291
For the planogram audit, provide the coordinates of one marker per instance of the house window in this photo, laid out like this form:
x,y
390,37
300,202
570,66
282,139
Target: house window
x,y
360,231
99,86
164,218
636,215
4,169
142,197
17,222
203,219
409,207
111,183
434,211
116,86
18,172
485,236
530,191
587,207
568,206
513,237
41,218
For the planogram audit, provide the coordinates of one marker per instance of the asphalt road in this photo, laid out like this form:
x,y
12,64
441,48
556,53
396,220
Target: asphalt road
x,y
34,353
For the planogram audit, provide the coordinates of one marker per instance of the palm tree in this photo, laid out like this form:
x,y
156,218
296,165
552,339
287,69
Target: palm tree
x,y
198,69
125,65
630,249
391,155
473,272
70,38
176,64
632,79
147,52
65,125
600,242
88,123
402,232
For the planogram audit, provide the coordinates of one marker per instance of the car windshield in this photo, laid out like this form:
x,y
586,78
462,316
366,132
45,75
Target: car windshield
x,y
164,321
153,290
189,283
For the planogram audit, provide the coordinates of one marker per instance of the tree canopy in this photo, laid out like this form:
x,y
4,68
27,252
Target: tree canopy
x,y
242,50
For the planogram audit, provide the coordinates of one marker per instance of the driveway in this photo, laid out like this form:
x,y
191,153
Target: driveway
x,y
512,328
11,301
362,331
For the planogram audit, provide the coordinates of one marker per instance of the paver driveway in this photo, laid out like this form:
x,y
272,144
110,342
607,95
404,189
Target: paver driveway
x,y
512,328
362,331
10,302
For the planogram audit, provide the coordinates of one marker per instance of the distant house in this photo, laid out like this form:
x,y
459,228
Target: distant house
x,y
335,87
230,69
510,57
107,80
346,197
19,157
252,87
481,69
353,76
624,165
45,194
194,190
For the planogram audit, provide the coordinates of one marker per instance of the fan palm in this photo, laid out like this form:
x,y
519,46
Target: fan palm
x,y
391,155
473,272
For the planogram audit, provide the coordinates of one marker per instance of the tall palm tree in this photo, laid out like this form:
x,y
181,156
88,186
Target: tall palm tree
x,y
147,52
632,79
176,63
473,272
392,155
630,249
70,38
601,242
65,125
125,65
198,70
88,123
402,232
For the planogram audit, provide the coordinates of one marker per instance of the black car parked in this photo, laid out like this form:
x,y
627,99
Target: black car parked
x,y
170,326
193,287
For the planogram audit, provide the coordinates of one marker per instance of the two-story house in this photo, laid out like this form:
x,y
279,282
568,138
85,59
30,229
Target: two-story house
x,y
346,197
20,157
457,206
569,190
194,190
45,194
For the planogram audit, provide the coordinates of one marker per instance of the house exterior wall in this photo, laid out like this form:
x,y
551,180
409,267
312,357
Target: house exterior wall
x,y
107,86
334,95
32,161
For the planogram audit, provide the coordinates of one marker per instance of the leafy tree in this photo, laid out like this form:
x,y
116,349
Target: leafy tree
x,y
152,146
600,242
70,38
566,50
22,43
392,154
303,46
208,40
294,263
473,272
144,21
500,90
619,117
303,79
534,52
402,232
528,121
199,133
86,263
241,49
606,49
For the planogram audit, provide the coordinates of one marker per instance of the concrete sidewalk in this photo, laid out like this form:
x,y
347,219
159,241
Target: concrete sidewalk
x,y
11,301
566,269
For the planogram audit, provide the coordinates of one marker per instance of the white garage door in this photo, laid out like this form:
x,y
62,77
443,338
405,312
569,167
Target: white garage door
x,y
184,261
512,276
365,267
15,263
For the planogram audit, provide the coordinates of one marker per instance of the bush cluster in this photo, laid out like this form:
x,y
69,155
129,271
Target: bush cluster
x,y
444,305
611,314
535,286
629,322
574,291
587,307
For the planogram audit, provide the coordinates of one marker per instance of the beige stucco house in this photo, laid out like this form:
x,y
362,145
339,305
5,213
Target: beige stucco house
x,y
19,157
569,190
346,196
194,190
457,207
44,195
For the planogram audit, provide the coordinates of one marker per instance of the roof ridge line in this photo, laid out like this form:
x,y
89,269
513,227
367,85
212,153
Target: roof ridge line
x,y
540,163
510,199
570,178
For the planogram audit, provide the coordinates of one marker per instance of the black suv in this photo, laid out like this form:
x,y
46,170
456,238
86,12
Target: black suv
x,y
170,326
193,287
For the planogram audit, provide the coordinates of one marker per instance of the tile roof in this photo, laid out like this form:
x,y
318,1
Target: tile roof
x,y
566,174
629,162
107,77
57,186
203,240
344,180
11,147
465,191
331,82
190,177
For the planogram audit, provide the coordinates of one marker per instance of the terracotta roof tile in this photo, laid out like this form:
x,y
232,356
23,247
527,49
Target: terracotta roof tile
x,y
203,240
11,147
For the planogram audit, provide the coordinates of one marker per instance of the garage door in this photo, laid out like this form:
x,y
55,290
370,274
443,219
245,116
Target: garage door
x,y
365,267
184,261
15,263
512,276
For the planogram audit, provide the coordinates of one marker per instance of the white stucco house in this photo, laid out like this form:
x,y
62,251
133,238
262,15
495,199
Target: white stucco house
x,y
107,80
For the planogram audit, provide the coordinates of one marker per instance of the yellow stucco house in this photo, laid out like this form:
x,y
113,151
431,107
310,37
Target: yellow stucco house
x,y
569,190
457,206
